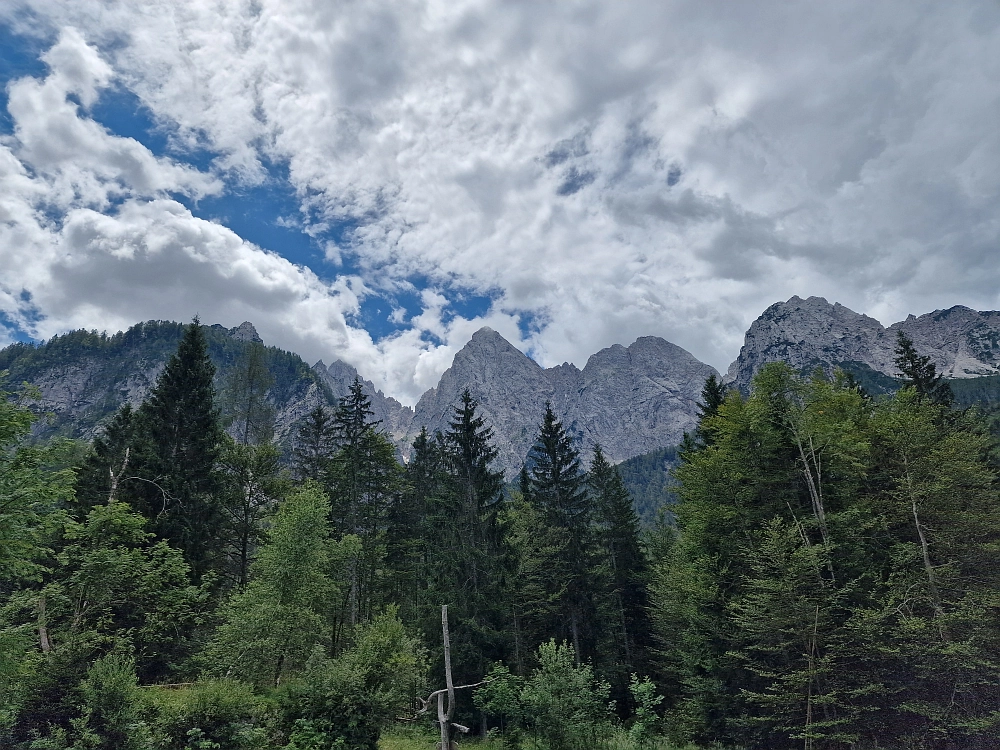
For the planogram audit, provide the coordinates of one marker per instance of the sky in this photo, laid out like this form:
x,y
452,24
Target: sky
x,y
374,181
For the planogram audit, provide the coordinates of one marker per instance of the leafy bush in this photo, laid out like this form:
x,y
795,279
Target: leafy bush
x,y
565,705
345,702
210,715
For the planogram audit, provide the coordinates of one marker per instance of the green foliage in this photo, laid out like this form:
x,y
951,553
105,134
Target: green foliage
x,y
649,480
643,730
252,484
269,629
246,412
829,584
345,701
210,714
112,706
315,446
178,448
557,488
919,372
623,606
564,704
31,497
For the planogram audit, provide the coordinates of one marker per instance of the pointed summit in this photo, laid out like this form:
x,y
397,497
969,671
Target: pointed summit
x,y
246,332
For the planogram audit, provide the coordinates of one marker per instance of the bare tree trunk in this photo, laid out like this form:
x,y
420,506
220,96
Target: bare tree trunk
x,y
815,485
116,477
444,717
43,631
925,551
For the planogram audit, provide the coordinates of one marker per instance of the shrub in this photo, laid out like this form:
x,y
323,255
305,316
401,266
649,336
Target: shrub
x,y
210,715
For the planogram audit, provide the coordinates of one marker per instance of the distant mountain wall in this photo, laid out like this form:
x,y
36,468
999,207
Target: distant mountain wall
x,y
810,333
631,399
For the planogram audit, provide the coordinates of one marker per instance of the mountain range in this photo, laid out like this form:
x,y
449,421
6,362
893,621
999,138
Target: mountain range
x,y
630,399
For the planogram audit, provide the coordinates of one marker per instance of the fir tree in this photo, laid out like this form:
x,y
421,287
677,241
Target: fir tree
x,y
557,487
618,538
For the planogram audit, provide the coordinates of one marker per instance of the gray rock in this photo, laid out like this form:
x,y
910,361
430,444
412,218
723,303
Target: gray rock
x,y
246,332
394,417
631,400
962,343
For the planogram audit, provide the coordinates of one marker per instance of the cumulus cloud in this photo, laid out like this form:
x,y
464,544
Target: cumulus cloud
x,y
605,170
90,236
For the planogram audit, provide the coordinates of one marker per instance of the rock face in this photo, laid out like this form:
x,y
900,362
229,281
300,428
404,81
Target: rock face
x,y
631,400
246,332
511,390
962,343
339,377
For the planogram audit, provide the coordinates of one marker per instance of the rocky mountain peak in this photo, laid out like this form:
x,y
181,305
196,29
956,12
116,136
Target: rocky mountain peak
x,y
246,332
810,333
339,377
629,399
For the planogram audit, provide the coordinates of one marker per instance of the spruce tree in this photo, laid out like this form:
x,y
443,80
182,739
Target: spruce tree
x,y
919,373
315,446
177,486
712,395
467,522
557,487
619,543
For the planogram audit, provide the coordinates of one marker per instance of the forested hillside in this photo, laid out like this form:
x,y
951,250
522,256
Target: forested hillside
x,y
830,580
83,377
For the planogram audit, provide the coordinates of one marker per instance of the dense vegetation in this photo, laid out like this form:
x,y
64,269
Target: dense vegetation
x,y
828,577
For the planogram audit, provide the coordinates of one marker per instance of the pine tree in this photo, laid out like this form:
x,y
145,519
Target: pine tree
x,y
177,485
919,373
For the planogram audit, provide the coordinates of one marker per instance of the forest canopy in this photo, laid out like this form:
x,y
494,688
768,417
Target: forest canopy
x,y
827,577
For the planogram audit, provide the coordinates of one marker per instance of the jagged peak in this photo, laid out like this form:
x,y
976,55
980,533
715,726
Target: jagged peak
x,y
245,331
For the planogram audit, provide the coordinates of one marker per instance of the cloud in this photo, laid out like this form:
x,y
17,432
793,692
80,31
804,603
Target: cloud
x,y
91,236
607,170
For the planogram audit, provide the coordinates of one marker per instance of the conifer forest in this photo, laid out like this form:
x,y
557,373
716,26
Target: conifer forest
x,y
826,575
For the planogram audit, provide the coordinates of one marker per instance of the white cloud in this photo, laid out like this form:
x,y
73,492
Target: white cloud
x,y
612,169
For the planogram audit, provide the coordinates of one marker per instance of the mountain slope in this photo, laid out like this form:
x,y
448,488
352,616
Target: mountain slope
x,y
83,377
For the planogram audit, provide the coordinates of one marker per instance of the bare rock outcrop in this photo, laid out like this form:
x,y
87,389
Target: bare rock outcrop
x,y
810,333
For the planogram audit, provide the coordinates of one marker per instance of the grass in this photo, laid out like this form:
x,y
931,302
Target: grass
x,y
422,738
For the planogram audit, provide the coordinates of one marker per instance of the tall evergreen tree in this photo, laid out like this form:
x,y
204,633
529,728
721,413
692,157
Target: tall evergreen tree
x,y
315,446
557,487
619,544
177,486
471,556
919,372
245,408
